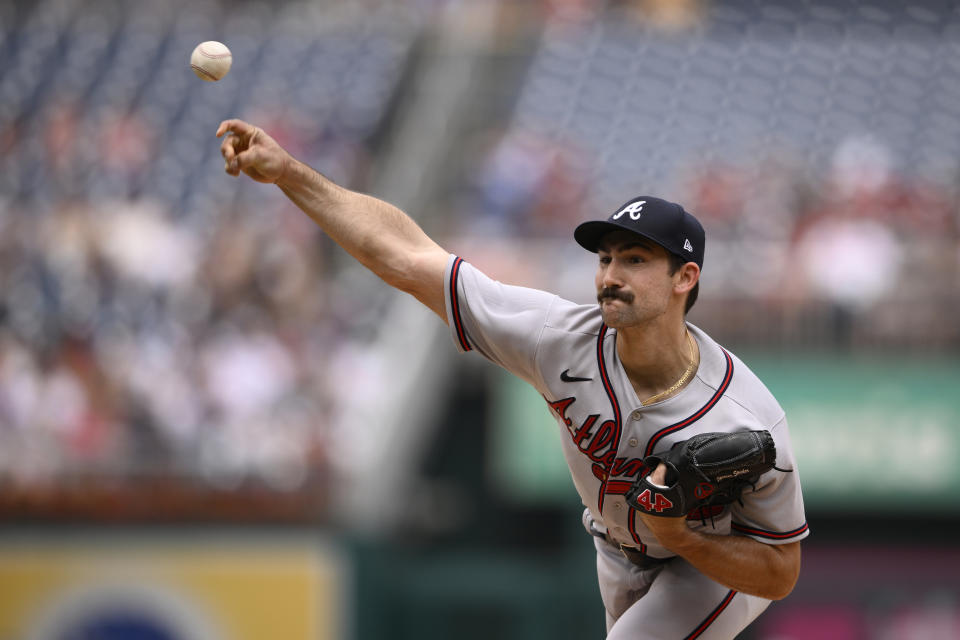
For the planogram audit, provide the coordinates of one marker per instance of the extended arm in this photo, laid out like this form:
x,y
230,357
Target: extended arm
x,y
382,237
738,562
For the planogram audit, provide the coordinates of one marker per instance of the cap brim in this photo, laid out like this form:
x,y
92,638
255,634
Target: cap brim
x,y
589,234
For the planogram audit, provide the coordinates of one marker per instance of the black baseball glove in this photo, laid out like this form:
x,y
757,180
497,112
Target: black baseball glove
x,y
708,469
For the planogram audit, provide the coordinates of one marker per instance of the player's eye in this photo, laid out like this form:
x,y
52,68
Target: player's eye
x,y
604,259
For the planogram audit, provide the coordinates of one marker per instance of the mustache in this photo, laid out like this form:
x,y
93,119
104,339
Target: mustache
x,y
611,293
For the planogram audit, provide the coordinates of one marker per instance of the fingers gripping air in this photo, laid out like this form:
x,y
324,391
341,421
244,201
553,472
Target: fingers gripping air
x,y
708,469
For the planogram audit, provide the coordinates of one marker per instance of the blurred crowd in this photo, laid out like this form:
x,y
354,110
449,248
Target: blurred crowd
x,y
159,319
130,344
851,235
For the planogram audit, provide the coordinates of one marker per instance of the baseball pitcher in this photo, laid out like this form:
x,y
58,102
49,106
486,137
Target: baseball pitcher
x,y
681,456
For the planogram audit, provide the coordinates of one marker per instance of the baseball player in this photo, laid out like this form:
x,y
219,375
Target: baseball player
x,y
624,379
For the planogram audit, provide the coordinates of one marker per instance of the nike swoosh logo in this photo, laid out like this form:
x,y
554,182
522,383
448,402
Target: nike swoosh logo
x,y
568,378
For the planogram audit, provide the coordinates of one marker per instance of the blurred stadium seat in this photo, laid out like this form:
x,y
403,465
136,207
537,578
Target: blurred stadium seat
x,y
159,324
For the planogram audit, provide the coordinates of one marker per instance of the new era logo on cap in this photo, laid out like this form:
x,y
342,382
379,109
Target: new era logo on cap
x,y
666,223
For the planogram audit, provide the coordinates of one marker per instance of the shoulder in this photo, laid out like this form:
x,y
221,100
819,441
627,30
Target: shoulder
x,y
742,389
566,317
570,334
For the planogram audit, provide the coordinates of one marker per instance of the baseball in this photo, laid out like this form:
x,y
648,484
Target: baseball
x,y
211,60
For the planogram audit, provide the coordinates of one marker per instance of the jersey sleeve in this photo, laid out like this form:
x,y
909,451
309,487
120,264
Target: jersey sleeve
x,y
773,512
504,323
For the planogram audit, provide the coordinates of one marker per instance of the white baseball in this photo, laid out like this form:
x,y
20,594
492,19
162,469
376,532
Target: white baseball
x,y
211,60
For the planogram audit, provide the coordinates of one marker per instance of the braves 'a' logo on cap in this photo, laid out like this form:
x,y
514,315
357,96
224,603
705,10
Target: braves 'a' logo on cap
x,y
634,209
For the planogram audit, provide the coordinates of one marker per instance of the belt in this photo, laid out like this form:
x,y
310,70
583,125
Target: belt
x,y
634,555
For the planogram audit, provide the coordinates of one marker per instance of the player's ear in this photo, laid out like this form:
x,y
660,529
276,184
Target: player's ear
x,y
686,277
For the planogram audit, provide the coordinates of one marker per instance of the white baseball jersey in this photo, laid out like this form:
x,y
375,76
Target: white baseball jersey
x,y
569,355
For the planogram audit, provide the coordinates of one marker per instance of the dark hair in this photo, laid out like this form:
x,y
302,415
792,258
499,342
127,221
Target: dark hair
x,y
675,263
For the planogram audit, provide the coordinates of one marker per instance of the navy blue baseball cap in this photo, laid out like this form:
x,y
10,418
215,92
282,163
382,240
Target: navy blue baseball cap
x,y
666,223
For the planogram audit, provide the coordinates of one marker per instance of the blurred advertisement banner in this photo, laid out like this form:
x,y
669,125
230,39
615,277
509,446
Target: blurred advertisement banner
x,y
169,586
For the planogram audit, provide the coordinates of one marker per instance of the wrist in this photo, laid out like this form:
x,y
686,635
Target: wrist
x,y
289,172
678,537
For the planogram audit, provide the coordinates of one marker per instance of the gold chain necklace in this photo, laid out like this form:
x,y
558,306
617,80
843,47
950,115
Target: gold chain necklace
x,y
679,383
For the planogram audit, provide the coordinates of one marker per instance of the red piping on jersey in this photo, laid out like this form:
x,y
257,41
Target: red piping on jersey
x,y
773,535
686,422
632,527
713,616
618,425
455,305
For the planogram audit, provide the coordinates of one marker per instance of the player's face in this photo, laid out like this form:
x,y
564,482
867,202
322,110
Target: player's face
x,y
633,280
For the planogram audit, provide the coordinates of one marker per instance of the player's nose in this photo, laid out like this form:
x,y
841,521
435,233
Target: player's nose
x,y
610,277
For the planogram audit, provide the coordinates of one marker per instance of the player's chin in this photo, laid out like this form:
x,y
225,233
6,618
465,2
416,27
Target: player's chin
x,y
614,316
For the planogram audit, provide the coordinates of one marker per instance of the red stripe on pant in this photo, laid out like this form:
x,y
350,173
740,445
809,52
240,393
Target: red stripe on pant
x,y
713,616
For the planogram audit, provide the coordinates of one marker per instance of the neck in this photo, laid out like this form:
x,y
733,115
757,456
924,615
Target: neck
x,y
655,360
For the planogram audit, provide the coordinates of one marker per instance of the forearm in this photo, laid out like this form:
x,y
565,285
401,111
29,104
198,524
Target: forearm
x,y
379,235
741,563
